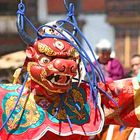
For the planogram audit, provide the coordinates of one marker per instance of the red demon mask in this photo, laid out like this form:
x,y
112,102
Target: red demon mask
x,y
52,64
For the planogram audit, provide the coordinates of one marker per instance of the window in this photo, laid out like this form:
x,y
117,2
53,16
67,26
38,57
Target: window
x,y
8,7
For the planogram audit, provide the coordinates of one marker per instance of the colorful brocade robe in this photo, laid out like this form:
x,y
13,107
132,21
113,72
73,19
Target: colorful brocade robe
x,y
35,118
126,93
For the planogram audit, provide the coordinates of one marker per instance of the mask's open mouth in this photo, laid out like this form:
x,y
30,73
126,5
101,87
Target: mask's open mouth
x,y
58,79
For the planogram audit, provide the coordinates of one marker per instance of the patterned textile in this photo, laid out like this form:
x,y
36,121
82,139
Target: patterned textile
x,y
34,115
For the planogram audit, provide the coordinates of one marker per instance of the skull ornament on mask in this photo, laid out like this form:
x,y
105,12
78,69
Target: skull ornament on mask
x,y
52,64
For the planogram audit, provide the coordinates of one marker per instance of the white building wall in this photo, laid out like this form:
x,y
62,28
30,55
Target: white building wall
x,y
95,28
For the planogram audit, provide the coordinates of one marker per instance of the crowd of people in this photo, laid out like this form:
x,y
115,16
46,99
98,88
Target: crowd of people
x,y
114,70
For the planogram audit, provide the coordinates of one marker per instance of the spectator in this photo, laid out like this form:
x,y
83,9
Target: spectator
x,y
117,132
135,65
112,70
111,67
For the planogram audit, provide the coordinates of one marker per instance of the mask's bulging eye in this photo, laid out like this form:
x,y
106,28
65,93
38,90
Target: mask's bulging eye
x,y
59,45
44,60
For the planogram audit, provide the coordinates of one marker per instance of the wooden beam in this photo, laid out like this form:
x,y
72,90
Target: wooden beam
x,y
127,51
123,19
